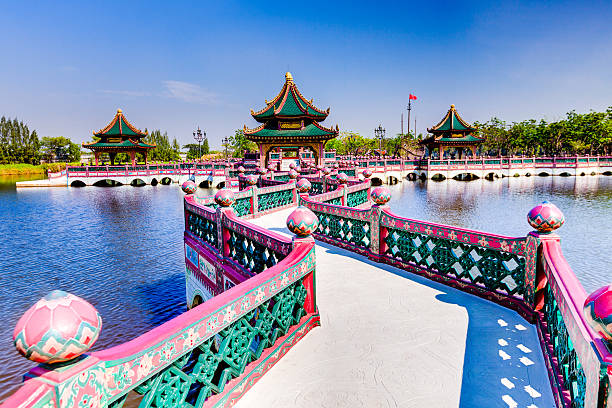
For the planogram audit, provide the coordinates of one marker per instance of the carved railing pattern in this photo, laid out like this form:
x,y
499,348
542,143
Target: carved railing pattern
x,y
316,187
242,206
275,199
352,231
356,198
203,228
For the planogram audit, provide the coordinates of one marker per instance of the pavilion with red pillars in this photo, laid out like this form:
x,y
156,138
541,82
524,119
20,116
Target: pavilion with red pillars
x,y
119,136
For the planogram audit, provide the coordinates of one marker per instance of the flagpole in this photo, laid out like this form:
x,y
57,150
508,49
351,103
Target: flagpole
x,y
402,123
408,130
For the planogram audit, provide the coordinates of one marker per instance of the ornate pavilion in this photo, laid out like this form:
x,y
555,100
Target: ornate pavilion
x,y
119,136
452,133
290,123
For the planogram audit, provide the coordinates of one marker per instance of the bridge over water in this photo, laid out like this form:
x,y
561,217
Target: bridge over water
x,y
383,311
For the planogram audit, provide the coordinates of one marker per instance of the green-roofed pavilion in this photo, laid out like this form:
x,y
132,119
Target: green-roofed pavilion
x,y
452,132
290,122
117,137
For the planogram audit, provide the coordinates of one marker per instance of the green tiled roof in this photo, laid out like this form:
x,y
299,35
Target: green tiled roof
x,y
119,126
309,130
452,122
126,143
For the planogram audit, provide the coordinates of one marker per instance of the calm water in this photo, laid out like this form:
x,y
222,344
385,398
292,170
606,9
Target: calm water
x,y
121,248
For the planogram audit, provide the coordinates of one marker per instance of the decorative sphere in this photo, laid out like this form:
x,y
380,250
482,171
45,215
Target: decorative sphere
x,y
59,327
367,173
545,218
261,170
224,197
292,166
319,167
241,170
302,222
380,195
271,167
336,165
303,185
342,178
598,311
293,174
298,169
326,171
189,187
251,179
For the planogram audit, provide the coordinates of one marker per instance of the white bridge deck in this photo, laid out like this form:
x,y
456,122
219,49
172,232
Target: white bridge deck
x,y
392,339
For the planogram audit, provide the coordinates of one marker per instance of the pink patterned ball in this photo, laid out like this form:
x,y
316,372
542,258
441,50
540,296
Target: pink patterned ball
x,y
367,173
189,187
342,178
302,222
326,171
336,165
251,179
59,327
293,174
303,185
298,169
271,167
598,311
292,165
224,197
261,170
319,167
545,218
241,170
380,195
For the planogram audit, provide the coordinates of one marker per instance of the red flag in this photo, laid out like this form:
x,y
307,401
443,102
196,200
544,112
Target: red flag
x,y
412,97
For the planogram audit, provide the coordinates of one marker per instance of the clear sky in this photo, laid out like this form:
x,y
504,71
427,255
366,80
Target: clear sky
x,y
67,67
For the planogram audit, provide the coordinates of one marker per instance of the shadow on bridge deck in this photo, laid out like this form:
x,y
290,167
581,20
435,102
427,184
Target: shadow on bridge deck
x,y
389,338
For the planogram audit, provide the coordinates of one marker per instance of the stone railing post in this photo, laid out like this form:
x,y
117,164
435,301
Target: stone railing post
x,y
254,199
380,196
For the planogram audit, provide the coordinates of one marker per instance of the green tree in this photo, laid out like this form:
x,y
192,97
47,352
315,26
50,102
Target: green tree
x,y
60,149
165,151
238,144
17,143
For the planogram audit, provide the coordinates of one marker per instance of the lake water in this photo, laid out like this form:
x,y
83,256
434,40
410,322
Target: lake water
x,y
122,248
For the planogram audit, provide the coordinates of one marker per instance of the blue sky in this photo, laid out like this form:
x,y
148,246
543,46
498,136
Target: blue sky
x,y
67,67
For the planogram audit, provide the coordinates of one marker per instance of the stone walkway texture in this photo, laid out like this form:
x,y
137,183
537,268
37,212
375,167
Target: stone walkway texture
x,y
389,338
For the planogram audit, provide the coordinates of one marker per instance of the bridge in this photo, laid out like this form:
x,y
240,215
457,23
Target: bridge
x,y
379,310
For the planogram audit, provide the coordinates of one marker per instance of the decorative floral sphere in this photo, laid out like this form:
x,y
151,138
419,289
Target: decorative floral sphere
x,y
342,178
336,165
189,187
319,167
598,311
240,169
261,170
367,173
298,169
271,167
545,218
251,179
326,171
292,165
380,195
224,197
302,222
293,174
59,327
303,185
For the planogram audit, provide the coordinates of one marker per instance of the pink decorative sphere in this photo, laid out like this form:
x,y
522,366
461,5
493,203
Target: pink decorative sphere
x,y
380,195
342,178
302,222
545,218
261,170
598,311
251,179
292,166
293,174
319,167
224,197
303,185
326,171
367,173
59,327
298,169
336,165
240,169
271,167
189,187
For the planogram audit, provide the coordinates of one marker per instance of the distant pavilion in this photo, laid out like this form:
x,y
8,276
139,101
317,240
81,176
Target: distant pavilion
x,y
290,123
452,132
119,136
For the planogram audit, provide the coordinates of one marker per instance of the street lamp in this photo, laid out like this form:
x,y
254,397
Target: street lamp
x,y
198,135
379,133
225,142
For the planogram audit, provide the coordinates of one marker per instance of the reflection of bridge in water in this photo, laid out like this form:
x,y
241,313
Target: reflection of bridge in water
x,y
412,313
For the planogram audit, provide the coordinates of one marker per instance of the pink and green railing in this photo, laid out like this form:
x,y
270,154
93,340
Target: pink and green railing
x,y
208,356
527,274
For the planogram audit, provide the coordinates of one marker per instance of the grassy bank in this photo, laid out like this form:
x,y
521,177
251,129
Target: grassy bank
x,y
22,168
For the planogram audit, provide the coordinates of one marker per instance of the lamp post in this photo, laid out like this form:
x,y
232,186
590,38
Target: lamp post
x,y
198,135
225,142
351,139
379,133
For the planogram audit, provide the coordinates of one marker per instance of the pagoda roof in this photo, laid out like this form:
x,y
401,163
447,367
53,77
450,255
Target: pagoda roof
x,y
458,140
289,103
308,132
452,122
125,144
119,126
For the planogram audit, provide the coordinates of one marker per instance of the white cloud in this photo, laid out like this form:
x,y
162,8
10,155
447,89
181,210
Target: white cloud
x,y
188,92
124,93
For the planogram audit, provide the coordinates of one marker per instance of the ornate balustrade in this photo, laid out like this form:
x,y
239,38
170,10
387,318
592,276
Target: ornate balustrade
x,y
207,356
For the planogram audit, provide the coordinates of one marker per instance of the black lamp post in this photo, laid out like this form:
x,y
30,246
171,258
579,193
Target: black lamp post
x,y
225,142
379,133
198,135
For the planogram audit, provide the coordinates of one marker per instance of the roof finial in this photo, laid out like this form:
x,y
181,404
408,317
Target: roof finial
x,y
119,111
452,106
289,77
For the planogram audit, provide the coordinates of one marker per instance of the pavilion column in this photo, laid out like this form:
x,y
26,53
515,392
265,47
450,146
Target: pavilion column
x,y
262,156
112,158
321,159
97,157
133,157
146,155
441,152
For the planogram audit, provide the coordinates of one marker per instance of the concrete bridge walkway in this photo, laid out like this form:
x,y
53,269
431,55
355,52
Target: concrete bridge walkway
x,y
392,339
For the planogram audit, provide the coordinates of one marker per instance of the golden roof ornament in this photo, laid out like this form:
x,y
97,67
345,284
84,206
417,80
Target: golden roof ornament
x,y
119,111
289,77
